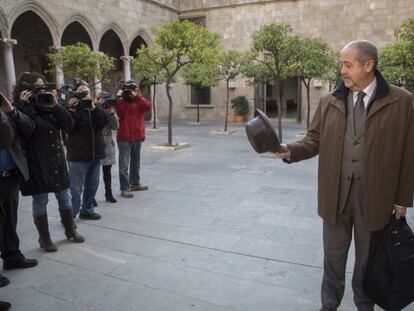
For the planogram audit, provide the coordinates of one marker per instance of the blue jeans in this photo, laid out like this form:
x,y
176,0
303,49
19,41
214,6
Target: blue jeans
x,y
40,201
84,182
129,155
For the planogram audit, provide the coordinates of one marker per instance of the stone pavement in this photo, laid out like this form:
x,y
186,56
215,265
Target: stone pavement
x,y
221,228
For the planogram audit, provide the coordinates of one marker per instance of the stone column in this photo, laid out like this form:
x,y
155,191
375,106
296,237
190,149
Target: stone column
x,y
127,67
60,79
7,46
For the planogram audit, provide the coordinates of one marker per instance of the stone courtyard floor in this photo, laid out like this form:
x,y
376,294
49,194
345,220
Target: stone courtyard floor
x,y
221,228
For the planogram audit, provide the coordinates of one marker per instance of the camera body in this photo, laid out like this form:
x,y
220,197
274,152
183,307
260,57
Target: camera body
x,y
128,88
67,92
108,102
41,95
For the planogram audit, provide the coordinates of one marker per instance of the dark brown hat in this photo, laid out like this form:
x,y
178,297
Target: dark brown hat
x,y
262,135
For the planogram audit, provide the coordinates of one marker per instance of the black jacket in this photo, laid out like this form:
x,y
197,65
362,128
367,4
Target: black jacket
x,y
85,141
45,155
19,127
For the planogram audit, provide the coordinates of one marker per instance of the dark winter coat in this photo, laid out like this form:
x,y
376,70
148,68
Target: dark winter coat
x,y
17,127
45,155
85,140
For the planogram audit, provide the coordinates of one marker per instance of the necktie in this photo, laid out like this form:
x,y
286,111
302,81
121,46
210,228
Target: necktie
x,y
359,111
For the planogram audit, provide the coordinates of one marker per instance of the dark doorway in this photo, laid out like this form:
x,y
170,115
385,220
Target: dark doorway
x,y
111,44
75,33
33,44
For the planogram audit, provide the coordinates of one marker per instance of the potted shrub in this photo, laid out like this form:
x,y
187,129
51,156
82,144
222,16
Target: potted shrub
x,y
240,105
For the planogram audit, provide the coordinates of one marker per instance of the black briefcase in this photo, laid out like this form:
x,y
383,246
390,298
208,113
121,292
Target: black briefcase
x,y
389,276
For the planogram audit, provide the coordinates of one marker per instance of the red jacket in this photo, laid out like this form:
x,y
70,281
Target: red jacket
x,y
131,118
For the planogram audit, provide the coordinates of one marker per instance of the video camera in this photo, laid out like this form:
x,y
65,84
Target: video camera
x,y
40,95
68,91
127,88
108,102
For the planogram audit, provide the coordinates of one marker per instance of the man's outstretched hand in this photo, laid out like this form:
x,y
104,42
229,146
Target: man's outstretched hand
x,y
285,154
399,211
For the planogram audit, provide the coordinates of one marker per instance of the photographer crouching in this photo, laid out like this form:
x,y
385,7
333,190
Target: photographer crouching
x,y
85,149
130,107
45,156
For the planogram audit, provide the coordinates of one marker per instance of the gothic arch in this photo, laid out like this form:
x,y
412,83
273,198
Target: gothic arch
x,y
41,11
119,32
86,23
143,34
3,24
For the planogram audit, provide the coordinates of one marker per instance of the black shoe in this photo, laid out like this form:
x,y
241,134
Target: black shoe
x,y
4,281
138,187
90,216
18,263
109,197
4,306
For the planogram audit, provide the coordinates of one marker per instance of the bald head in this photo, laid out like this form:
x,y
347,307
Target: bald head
x,y
366,51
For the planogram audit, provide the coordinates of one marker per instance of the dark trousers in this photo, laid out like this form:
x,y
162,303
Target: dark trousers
x,y
9,200
336,242
107,178
129,156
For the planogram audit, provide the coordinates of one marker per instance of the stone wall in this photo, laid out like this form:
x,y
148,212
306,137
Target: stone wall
x,y
337,22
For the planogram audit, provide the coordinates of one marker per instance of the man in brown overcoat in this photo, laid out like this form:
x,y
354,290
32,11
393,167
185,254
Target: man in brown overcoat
x,y
364,135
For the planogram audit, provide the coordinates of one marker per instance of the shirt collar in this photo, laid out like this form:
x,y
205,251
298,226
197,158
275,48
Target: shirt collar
x,y
369,91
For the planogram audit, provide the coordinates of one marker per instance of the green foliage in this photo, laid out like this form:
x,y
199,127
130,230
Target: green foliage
x,y
397,62
258,73
147,65
240,105
225,65
333,74
80,60
397,59
406,30
311,58
272,46
182,43
204,73
231,64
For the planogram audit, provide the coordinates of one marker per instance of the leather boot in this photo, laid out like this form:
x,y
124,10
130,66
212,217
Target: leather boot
x,y
108,195
42,226
70,228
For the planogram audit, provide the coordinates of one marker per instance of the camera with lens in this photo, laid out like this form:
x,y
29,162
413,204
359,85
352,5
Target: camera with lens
x,y
108,102
67,92
40,95
127,89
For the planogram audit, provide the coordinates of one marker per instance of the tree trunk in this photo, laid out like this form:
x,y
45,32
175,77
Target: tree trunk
x,y
227,106
307,85
198,112
279,108
299,107
167,87
154,107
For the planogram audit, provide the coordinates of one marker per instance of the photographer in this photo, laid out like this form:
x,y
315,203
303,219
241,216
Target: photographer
x,y
85,147
46,159
108,104
13,169
130,108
